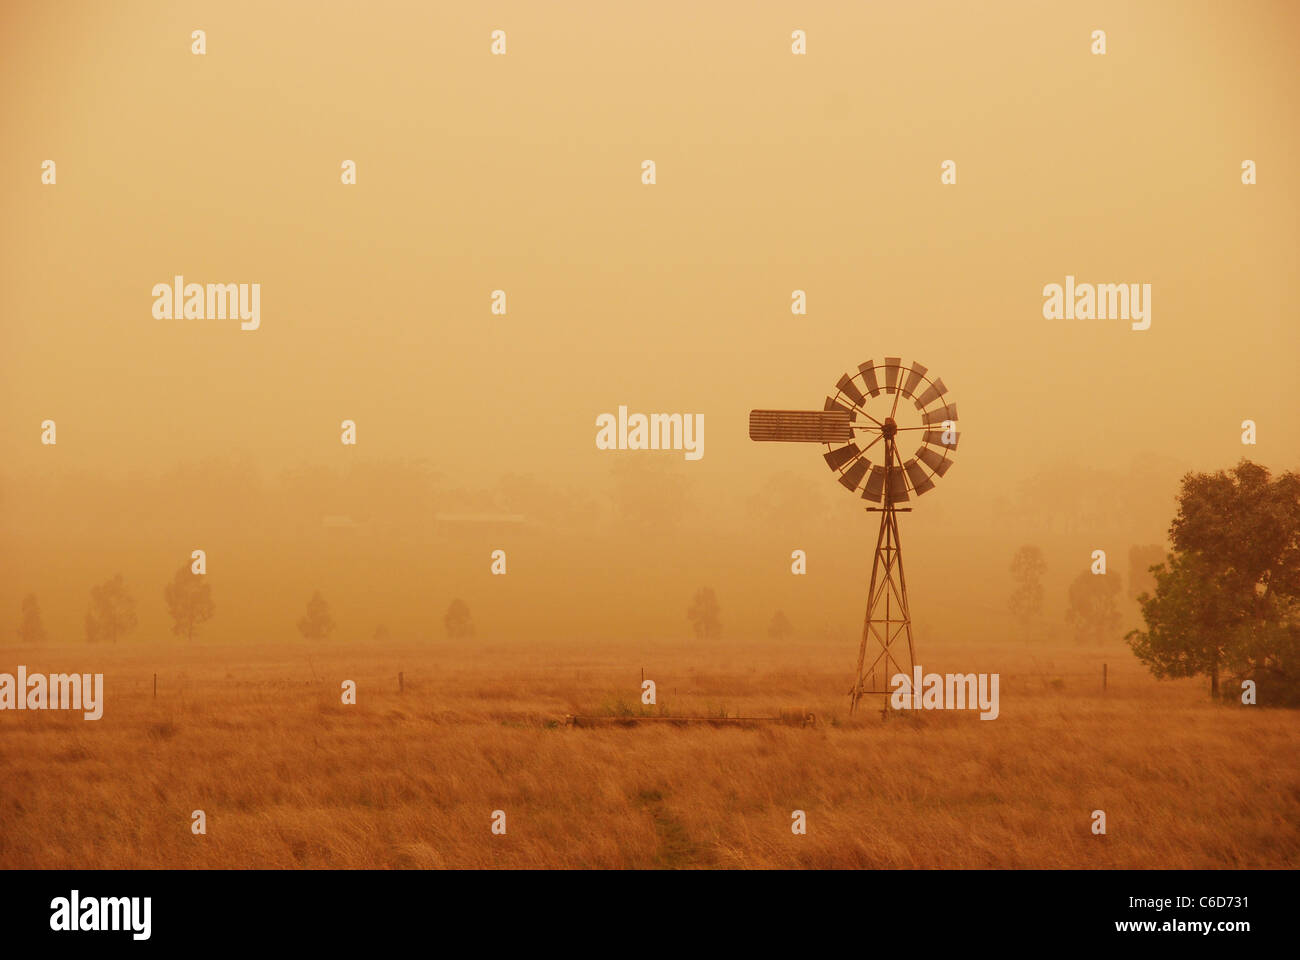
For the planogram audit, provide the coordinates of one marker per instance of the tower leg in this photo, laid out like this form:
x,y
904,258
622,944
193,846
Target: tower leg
x,y
883,652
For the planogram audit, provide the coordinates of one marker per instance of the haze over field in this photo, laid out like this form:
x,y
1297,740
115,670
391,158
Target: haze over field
x,y
520,173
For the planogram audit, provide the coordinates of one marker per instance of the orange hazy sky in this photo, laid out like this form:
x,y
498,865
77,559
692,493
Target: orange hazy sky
x,y
523,173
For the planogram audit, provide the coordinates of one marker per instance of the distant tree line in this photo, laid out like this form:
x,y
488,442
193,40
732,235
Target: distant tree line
x,y
111,612
1092,598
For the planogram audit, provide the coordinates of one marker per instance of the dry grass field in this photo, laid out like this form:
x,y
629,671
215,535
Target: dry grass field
x,y
290,777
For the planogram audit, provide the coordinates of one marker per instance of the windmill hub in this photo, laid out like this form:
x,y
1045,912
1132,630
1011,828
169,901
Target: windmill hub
x,y
860,416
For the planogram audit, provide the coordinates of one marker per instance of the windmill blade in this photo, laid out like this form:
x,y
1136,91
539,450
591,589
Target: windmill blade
x,y
837,458
854,474
913,378
946,412
875,485
801,426
892,365
833,404
936,437
868,371
933,393
934,460
897,486
920,482
850,390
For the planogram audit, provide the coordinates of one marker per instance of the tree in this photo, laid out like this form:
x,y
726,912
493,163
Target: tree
x,y
1268,653
779,629
1227,600
111,613
1140,562
189,601
30,628
1185,620
457,620
703,614
316,624
1027,569
1092,607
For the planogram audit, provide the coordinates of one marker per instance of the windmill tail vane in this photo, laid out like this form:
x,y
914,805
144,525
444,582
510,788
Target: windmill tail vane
x,y
861,416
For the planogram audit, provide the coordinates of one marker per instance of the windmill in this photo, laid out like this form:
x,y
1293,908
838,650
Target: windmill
x,y
860,426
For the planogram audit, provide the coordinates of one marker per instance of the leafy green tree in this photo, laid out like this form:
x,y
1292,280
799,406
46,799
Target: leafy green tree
x,y
1227,600
1184,618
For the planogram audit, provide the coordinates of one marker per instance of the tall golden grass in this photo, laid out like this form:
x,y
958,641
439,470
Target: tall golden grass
x,y
288,776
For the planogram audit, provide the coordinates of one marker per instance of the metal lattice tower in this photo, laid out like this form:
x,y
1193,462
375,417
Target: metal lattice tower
x,y
887,647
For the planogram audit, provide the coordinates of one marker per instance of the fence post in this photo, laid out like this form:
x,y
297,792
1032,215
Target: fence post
x,y
401,682
155,686
1103,676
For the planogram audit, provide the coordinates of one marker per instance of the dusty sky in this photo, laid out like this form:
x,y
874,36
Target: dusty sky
x,y
522,173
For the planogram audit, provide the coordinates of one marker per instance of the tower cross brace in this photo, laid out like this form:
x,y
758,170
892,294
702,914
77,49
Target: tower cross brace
x,y
888,618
